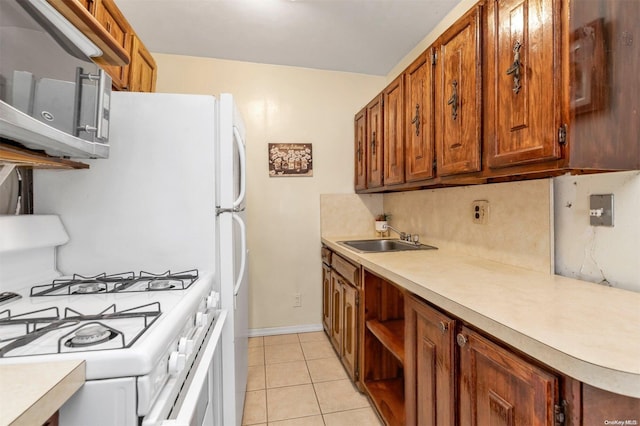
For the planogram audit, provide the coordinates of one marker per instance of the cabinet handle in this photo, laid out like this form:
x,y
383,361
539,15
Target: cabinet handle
x,y
443,327
359,150
373,143
453,100
514,69
416,120
461,340
108,26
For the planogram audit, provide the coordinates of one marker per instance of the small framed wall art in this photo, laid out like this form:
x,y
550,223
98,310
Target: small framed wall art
x,y
290,159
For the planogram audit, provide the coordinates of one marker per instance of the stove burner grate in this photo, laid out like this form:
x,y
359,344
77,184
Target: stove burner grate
x,y
93,333
117,283
38,324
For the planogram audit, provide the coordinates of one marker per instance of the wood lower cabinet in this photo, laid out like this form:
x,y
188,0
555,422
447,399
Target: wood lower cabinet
x,y
326,297
340,308
497,387
458,97
383,356
336,312
349,353
394,125
53,420
430,367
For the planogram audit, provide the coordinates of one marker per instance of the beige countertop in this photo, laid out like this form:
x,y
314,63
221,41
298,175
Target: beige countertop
x,y
31,393
587,331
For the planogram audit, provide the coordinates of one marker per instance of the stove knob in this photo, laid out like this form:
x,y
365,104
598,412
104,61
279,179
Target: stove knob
x,y
185,346
213,299
202,319
177,362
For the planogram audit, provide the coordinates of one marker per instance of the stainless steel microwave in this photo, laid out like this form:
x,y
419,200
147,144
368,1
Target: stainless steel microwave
x,y
53,97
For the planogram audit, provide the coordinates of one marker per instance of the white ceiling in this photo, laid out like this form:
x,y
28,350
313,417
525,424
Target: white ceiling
x,y
362,36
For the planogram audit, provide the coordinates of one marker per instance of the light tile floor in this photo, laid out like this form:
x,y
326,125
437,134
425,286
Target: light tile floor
x,y
298,380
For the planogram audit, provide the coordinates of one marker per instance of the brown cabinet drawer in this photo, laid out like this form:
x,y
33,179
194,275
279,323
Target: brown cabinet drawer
x,y
347,269
325,253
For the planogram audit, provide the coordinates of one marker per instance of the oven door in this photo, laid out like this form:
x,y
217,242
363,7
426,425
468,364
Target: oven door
x,y
199,401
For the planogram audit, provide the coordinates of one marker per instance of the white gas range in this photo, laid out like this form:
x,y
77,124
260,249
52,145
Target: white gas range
x,y
149,339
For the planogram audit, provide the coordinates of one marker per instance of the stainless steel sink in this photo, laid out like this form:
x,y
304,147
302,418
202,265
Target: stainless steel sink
x,y
376,246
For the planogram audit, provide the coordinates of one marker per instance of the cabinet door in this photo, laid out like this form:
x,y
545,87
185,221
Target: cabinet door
x,y
499,388
349,330
360,142
429,366
326,298
523,52
336,312
419,135
459,97
87,4
394,132
143,69
375,141
110,17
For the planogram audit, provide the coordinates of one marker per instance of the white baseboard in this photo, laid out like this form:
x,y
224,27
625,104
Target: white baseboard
x,y
308,328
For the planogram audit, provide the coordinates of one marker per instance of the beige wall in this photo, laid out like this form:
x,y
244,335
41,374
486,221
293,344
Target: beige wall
x,y
283,104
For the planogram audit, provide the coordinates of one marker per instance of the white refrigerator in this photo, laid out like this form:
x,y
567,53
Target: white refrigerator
x,y
171,195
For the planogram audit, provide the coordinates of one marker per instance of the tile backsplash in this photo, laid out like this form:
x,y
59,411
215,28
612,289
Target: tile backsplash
x,y
518,229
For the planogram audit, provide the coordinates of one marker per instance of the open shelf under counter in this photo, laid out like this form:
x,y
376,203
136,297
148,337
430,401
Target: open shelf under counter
x,y
390,334
388,396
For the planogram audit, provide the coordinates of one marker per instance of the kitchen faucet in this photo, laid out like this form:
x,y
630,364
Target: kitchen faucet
x,y
403,235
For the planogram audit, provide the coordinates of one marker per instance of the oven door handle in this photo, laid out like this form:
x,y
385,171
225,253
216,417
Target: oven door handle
x,y
187,409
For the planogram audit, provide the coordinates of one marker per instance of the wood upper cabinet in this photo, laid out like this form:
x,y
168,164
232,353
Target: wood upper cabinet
x,y
499,388
112,20
143,68
375,143
394,125
419,134
429,365
360,150
459,97
524,81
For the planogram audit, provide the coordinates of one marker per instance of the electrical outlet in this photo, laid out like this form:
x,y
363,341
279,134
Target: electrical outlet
x,y
480,211
297,300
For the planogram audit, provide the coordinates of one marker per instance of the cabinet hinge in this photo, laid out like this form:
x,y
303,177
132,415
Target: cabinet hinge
x,y
559,413
435,165
562,134
357,299
434,57
356,374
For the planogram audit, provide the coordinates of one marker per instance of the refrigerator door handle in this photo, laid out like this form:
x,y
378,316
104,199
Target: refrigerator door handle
x,y
243,166
243,259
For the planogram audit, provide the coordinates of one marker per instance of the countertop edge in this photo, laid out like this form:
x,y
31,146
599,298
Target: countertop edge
x,y
616,381
47,403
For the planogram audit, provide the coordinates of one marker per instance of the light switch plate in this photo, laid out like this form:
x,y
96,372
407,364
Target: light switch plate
x,y
601,210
